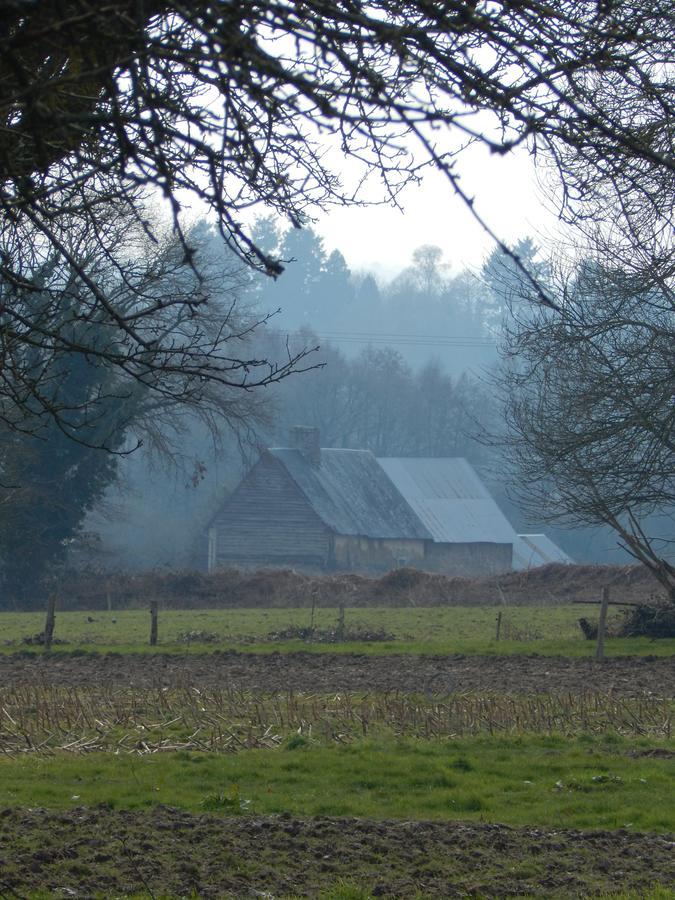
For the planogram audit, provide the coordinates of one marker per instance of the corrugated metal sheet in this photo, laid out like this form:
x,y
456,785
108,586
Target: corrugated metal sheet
x,y
352,494
450,499
532,550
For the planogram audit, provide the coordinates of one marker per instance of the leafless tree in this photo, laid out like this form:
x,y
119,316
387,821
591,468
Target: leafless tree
x,y
76,379
155,341
590,403
248,102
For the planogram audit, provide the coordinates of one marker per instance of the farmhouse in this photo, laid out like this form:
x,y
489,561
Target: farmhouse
x,y
470,534
332,509
319,509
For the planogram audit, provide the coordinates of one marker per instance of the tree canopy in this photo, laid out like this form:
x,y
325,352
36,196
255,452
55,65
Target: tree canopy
x,y
258,102
248,101
128,303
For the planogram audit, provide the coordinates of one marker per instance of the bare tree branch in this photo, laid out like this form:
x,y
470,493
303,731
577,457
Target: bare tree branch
x,y
590,404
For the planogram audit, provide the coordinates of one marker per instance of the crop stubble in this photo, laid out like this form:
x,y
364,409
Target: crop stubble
x,y
176,852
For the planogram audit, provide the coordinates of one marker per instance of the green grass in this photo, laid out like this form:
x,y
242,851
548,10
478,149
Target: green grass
x,y
343,890
655,893
545,630
352,891
591,783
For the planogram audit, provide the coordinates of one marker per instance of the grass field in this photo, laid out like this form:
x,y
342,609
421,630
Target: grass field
x,y
163,781
551,781
544,630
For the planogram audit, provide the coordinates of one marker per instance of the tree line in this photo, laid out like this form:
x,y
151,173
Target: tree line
x,y
110,327
533,416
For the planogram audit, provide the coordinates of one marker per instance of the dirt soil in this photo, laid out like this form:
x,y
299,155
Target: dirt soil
x,y
554,583
167,852
327,672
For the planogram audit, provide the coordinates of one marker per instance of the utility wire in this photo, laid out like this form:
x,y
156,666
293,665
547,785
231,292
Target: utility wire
x,y
409,340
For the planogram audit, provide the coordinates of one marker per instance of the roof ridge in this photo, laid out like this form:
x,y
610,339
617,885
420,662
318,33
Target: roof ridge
x,y
352,494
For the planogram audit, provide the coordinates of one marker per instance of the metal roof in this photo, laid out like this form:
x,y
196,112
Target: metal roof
x,y
450,499
532,550
352,494
454,504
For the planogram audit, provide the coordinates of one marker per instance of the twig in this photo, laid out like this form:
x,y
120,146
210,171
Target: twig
x,y
130,856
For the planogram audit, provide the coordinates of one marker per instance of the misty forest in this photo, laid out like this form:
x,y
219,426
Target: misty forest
x,y
409,367
329,569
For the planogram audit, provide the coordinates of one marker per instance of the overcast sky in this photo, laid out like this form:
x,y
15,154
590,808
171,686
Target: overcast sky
x,y
507,194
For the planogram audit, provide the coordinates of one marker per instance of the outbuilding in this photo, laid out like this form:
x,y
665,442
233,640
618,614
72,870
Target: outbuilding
x,y
322,509
318,509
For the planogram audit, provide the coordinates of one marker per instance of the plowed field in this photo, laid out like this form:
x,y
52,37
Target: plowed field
x,y
167,852
627,676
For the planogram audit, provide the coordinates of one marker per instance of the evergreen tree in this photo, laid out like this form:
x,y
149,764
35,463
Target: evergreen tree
x,y
511,280
296,290
53,474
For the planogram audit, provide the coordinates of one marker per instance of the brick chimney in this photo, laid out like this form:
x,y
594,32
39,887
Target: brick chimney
x,y
308,441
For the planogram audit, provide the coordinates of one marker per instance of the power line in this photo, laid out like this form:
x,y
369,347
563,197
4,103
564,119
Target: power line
x,y
408,340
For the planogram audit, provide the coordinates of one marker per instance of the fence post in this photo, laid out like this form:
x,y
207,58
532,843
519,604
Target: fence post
x,y
499,624
153,623
341,623
50,621
311,618
502,596
604,603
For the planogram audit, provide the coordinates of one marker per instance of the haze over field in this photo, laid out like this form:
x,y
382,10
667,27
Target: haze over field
x,y
183,336
299,496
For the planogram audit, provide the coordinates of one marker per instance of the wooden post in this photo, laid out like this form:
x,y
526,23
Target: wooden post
x,y
311,618
499,624
153,623
341,623
49,623
502,596
604,603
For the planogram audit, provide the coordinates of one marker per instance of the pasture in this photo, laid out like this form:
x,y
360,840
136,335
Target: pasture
x,y
604,782
419,757
545,630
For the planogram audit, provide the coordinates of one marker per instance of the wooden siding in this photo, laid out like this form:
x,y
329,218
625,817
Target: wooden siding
x,y
268,521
